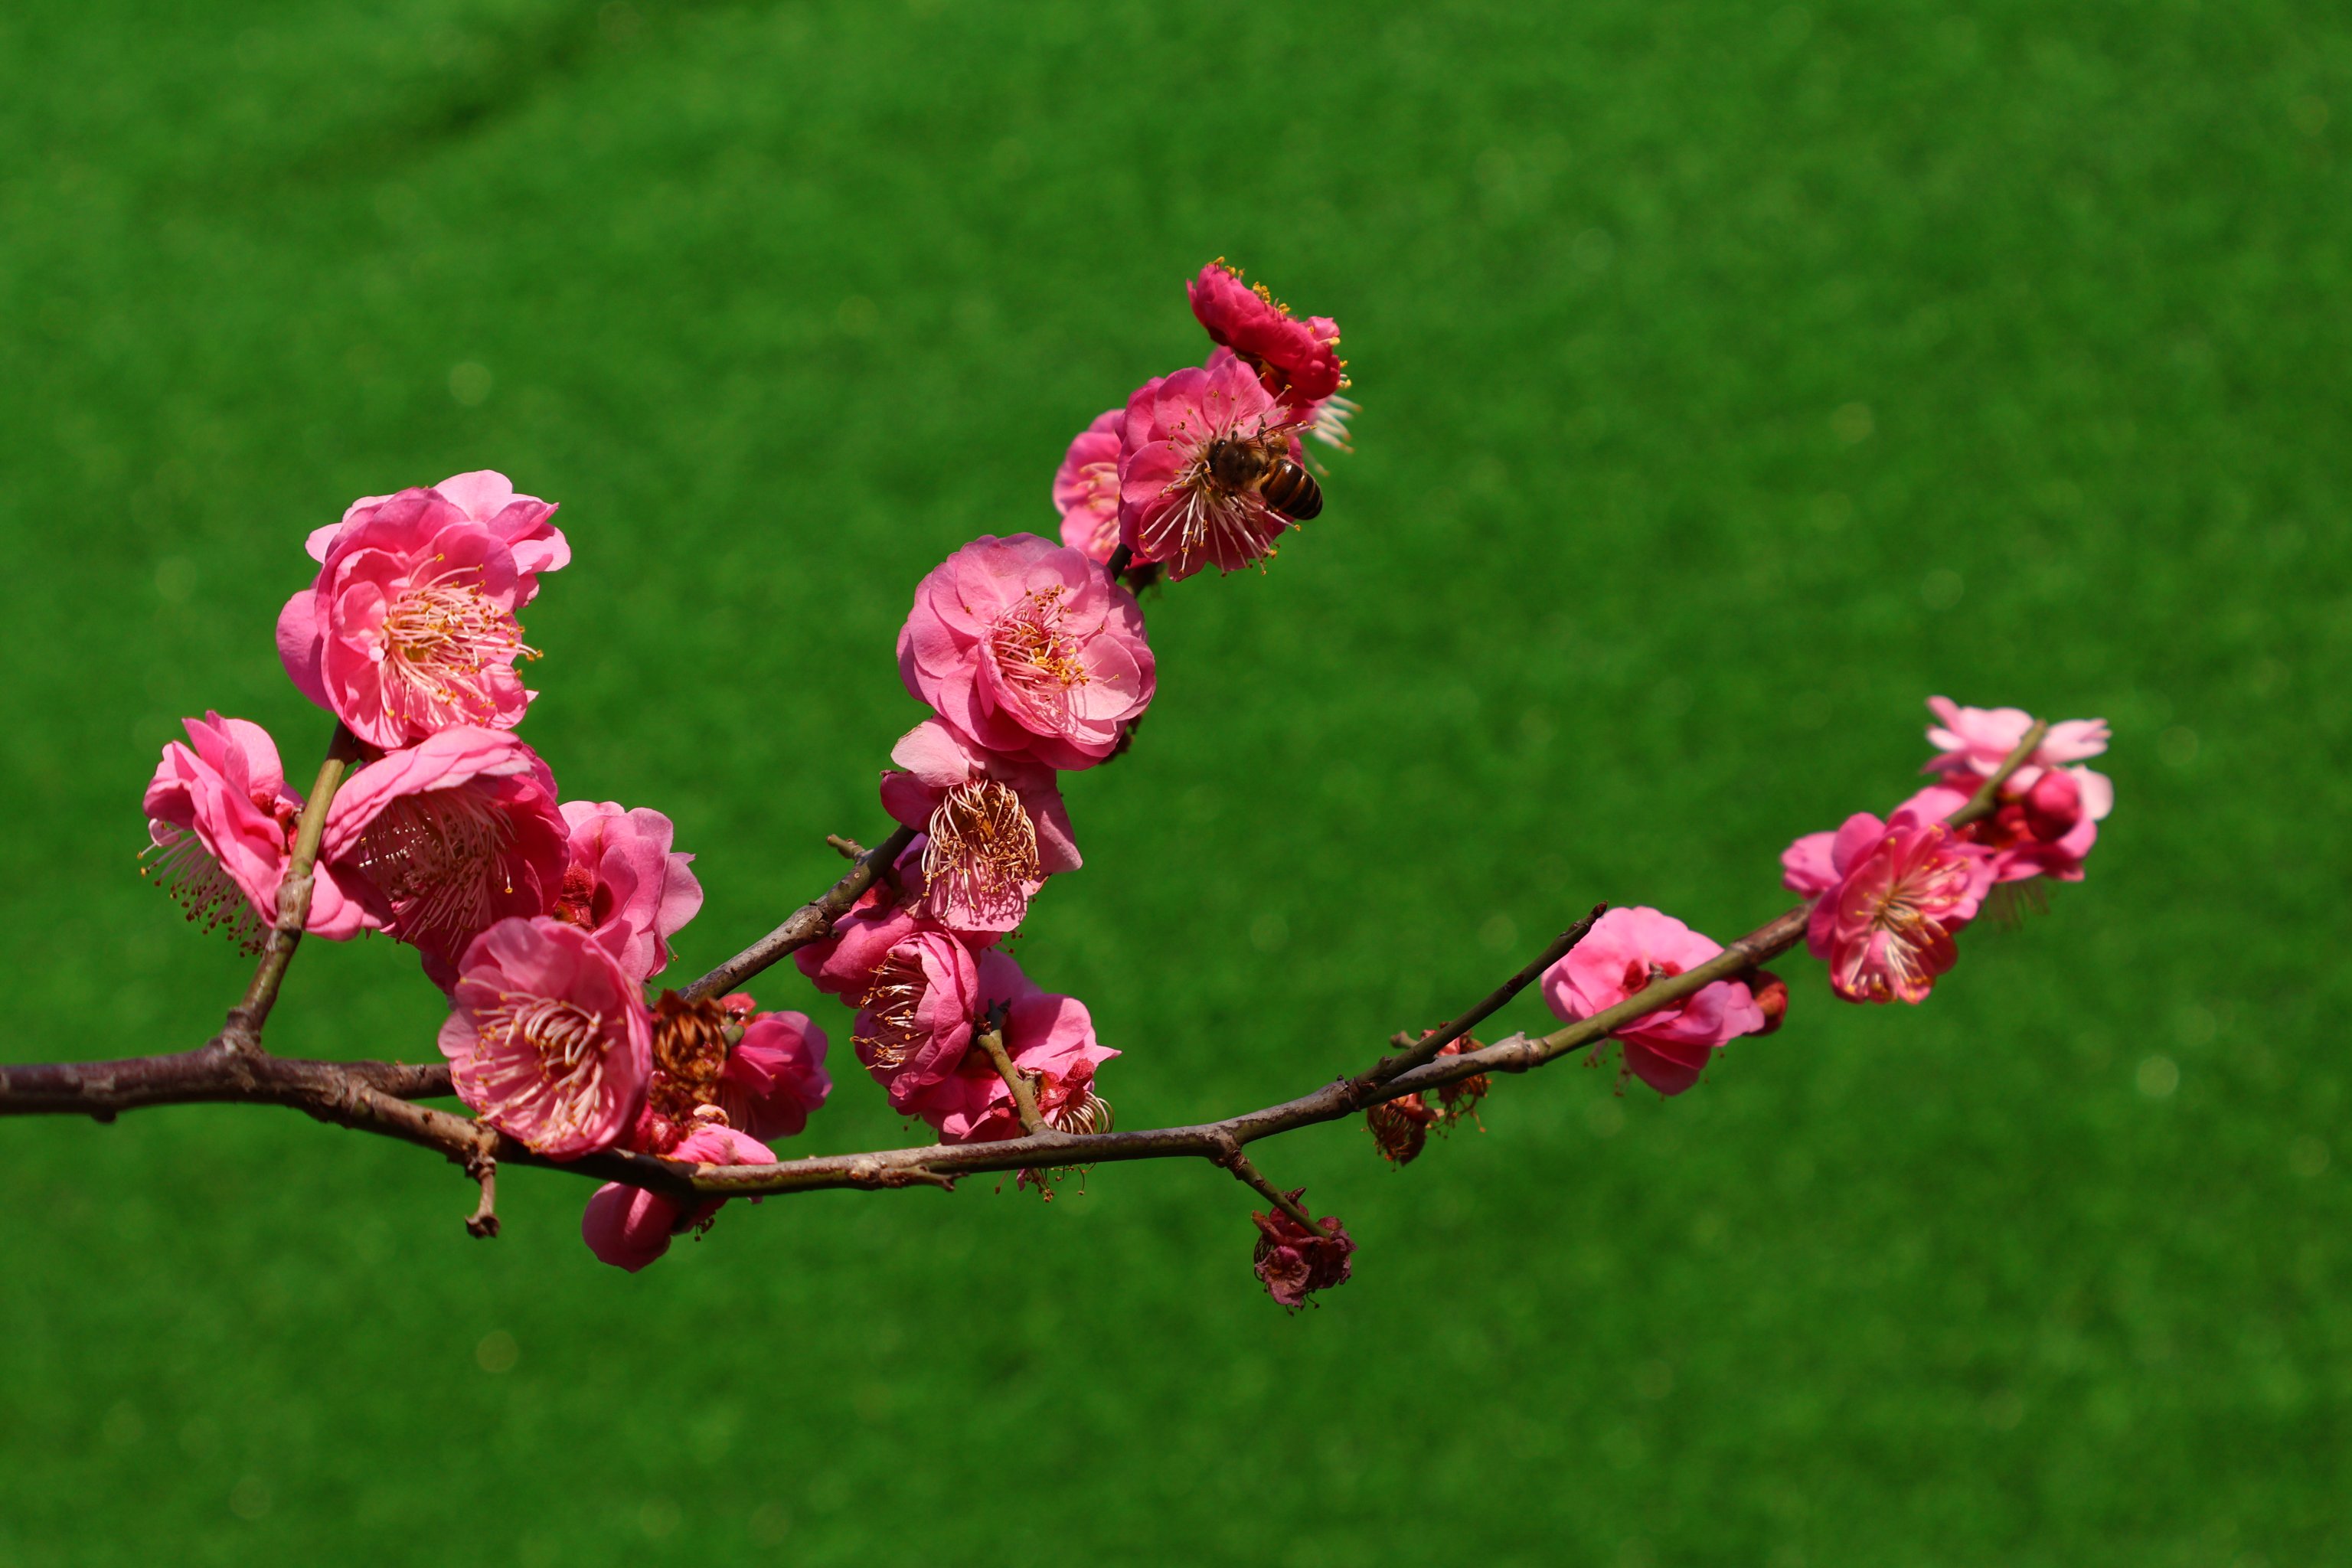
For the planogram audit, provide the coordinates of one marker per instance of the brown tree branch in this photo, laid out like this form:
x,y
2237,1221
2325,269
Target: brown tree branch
x,y
373,1096
1024,1091
1428,1047
811,922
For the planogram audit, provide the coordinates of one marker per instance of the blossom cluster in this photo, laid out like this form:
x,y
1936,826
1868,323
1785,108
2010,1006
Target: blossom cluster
x,y
544,920
1885,896
1889,895
1032,657
541,919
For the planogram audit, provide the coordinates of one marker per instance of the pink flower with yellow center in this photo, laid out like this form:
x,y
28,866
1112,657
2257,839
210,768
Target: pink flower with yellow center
x,y
447,838
1085,488
220,828
1196,451
548,1040
410,627
1628,949
1902,888
994,827
1028,648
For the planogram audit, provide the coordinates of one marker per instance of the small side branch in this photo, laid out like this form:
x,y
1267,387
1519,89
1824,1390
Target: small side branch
x,y
1987,800
1025,1090
243,1029
811,922
1231,1157
1429,1047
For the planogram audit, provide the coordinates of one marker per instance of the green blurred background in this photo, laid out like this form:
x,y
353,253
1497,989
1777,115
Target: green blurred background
x,y
1733,377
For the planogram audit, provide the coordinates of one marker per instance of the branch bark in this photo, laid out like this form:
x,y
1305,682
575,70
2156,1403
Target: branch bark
x,y
374,1097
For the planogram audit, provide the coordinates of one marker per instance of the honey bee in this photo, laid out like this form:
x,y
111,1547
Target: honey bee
x,y
1265,467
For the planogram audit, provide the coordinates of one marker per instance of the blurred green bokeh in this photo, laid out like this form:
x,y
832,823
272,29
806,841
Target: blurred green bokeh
x,y
1734,376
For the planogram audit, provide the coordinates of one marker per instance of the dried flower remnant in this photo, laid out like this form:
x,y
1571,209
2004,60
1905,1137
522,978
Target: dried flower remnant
x,y
1025,647
1399,1128
1460,1097
690,1054
220,830
548,1040
409,626
1294,1262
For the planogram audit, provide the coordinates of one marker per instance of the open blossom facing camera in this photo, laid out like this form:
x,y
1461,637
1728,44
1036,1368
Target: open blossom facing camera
x,y
1625,950
1887,898
547,1039
629,1228
625,884
410,627
1026,648
1085,488
994,827
220,828
447,838
1200,450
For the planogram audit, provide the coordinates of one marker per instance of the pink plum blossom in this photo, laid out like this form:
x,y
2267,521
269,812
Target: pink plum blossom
x,y
1049,1038
915,1021
775,1076
994,826
1027,647
629,1228
1627,949
1974,742
548,1040
220,826
1085,488
1294,1262
1179,500
1297,361
625,884
1902,888
447,838
410,626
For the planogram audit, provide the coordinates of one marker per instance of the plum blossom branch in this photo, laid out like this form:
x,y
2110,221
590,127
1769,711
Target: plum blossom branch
x,y
243,1028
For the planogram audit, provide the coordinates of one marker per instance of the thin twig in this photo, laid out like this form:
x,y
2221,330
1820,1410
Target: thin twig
x,y
1024,1091
1987,800
1231,1157
811,922
1429,1048
243,1028
847,848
